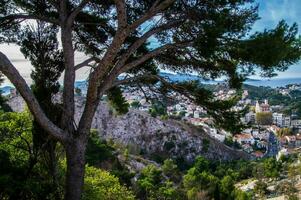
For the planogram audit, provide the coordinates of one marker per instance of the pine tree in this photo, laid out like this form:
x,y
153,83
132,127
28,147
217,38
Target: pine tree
x,y
209,38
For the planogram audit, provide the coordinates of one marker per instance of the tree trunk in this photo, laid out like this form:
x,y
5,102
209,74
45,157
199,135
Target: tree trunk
x,y
75,154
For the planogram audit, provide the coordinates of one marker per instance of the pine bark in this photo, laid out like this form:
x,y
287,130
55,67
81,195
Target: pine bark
x,y
75,155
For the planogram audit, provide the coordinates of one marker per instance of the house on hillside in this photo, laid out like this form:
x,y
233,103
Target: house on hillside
x,y
244,138
258,154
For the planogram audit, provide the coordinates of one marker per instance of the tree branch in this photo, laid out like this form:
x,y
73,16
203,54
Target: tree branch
x,y
13,75
121,14
129,80
86,63
150,55
144,38
77,10
103,72
155,9
24,16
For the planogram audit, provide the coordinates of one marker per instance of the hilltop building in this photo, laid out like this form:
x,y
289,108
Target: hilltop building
x,y
264,107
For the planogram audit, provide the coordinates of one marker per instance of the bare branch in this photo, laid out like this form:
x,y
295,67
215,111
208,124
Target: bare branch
x,y
150,55
13,75
155,9
130,80
144,38
86,63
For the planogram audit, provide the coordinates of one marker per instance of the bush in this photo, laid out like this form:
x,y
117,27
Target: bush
x,y
102,185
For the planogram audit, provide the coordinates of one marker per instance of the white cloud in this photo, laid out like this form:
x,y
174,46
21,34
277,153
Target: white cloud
x,y
272,11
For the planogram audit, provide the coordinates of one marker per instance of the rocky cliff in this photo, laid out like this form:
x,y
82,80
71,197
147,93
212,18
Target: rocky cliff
x,y
152,137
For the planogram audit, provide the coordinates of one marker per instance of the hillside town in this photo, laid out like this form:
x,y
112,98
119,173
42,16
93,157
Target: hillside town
x,y
270,132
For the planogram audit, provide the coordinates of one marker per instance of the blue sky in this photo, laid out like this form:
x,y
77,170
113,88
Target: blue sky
x,y
270,11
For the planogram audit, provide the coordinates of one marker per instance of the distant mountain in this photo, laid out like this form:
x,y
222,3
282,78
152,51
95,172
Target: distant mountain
x,y
250,79
180,77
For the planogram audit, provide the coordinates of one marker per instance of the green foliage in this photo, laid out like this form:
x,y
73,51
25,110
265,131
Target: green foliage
x,y
152,185
271,168
158,109
220,110
39,44
170,169
102,185
264,118
16,140
229,142
273,49
135,104
240,195
260,188
206,144
100,154
22,176
291,101
182,113
227,187
201,164
195,182
97,150
117,101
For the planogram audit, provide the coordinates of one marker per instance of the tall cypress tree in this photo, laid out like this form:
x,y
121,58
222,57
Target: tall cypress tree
x,y
39,44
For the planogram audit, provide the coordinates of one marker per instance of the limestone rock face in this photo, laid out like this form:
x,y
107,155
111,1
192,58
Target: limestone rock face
x,y
151,136
154,137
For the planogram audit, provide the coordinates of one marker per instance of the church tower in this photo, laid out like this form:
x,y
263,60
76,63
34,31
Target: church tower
x,y
257,107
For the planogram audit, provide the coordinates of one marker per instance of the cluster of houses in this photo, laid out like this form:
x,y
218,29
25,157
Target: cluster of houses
x,y
251,140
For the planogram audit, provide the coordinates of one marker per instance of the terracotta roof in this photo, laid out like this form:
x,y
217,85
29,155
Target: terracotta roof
x,y
258,154
244,136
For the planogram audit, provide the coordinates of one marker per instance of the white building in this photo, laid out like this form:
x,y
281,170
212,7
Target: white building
x,y
278,119
296,122
287,121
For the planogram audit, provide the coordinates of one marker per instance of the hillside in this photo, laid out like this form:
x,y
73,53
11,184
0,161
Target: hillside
x,y
152,137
